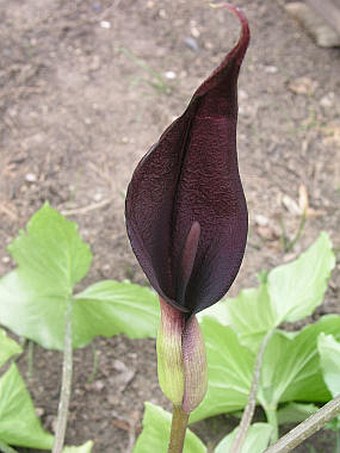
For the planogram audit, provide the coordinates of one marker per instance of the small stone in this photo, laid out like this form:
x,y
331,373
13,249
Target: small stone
x,y
314,24
303,85
171,75
191,42
39,411
327,101
195,32
98,385
105,24
261,220
291,205
31,177
271,70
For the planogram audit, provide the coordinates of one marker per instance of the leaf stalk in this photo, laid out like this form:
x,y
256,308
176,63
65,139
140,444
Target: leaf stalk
x,y
65,393
308,427
249,410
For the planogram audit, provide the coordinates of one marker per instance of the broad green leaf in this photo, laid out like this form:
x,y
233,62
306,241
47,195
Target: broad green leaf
x,y
329,350
18,423
297,288
251,315
8,347
258,437
156,433
110,307
51,254
291,369
106,308
37,314
295,412
230,367
286,294
51,259
85,448
219,312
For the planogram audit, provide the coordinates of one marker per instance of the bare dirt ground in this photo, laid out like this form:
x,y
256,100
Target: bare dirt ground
x,y
86,87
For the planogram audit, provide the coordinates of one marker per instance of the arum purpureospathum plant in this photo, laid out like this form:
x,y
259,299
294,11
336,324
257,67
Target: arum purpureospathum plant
x,y
186,217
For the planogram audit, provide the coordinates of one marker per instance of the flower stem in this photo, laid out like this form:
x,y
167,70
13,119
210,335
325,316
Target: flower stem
x,y
65,393
249,410
308,427
6,448
271,414
178,429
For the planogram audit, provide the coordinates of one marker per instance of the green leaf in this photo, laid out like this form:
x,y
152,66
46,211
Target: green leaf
x,y
51,254
295,412
230,367
291,368
251,315
85,448
156,433
258,437
329,350
18,423
297,288
8,347
51,258
286,294
109,308
34,313
219,312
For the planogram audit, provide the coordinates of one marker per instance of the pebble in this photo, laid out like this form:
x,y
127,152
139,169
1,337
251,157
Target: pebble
x,y
303,85
261,220
271,70
31,177
192,43
327,100
105,24
170,75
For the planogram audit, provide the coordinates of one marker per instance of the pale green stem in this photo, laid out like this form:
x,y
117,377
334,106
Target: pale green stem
x,y
249,410
308,427
178,430
65,393
271,414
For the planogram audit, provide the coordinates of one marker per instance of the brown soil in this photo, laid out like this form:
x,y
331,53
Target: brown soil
x,y
85,88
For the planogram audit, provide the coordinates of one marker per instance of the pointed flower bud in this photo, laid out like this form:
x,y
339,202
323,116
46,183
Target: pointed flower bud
x,y
186,213
182,365
169,353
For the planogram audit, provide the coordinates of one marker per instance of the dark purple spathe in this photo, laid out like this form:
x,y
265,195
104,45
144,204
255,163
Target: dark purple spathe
x,y
186,213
